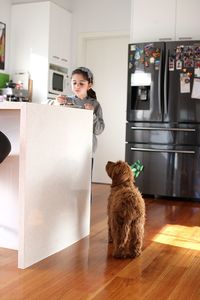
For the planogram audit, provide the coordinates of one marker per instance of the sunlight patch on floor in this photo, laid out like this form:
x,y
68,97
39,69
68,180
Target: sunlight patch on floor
x,y
179,236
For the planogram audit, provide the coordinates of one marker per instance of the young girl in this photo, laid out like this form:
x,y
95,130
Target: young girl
x,y
85,97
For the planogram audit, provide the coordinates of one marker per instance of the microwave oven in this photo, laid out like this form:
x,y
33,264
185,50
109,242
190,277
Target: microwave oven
x,y
58,80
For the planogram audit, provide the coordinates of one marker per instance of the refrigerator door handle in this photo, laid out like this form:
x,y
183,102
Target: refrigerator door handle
x,y
164,129
166,85
159,85
163,150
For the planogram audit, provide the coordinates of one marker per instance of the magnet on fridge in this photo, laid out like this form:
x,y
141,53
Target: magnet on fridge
x,y
157,65
196,89
131,57
188,62
146,63
132,47
137,55
197,64
179,64
197,72
152,60
130,65
171,64
184,83
142,59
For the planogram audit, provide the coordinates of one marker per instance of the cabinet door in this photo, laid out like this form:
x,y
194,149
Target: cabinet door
x,y
60,35
29,44
29,35
152,20
187,20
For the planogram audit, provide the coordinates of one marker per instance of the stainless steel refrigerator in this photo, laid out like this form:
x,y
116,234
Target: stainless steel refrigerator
x,y
163,117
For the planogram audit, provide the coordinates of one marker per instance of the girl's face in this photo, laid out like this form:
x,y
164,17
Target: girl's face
x,y
80,86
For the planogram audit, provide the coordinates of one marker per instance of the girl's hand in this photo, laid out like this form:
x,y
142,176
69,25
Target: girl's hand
x,y
61,99
89,106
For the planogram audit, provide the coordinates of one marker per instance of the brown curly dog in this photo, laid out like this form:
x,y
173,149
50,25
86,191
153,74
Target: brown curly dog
x,y
126,211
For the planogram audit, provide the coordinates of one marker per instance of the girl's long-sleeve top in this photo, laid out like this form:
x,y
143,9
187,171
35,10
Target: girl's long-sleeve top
x,y
98,122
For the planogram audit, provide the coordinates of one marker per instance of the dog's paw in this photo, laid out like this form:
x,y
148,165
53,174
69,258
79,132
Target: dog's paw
x,y
118,255
123,255
133,255
137,253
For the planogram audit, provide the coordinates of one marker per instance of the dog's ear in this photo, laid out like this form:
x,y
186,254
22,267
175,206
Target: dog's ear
x,y
109,168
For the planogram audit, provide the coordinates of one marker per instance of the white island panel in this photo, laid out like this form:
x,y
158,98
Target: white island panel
x,y
53,206
9,181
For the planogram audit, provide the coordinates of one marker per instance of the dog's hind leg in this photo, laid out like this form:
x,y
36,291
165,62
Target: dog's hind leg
x,y
121,240
110,239
137,240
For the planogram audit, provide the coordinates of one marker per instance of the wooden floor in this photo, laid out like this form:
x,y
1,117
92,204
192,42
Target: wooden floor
x,y
169,267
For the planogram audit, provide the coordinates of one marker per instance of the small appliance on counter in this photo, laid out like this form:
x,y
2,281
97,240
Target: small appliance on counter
x,y
58,81
4,78
19,88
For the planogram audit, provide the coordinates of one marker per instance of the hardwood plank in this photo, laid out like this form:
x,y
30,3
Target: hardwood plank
x,y
169,267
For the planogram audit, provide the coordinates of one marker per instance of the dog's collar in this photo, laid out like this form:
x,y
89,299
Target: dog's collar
x,y
119,183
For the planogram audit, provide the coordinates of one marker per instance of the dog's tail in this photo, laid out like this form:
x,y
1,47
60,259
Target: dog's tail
x,y
125,231
128,215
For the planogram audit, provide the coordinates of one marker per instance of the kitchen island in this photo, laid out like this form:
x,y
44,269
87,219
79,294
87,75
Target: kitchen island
x,y
45,182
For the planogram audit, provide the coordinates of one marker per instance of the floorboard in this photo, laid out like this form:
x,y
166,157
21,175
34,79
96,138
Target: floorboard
x,y
169,267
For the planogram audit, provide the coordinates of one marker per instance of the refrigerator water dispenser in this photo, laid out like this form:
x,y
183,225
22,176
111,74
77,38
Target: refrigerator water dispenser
x,y
140,90
140,97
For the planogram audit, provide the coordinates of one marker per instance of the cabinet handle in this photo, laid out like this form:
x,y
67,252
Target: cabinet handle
x,y
163,150
64,59
54,56
165,39
185,38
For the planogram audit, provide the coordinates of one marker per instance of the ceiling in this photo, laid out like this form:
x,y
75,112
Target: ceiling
x,y
67,4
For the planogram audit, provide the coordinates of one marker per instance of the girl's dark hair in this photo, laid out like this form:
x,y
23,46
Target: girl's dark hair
x,y
87,75
91,93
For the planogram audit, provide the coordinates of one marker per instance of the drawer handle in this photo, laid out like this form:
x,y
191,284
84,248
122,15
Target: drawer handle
x,y
161,150
163,129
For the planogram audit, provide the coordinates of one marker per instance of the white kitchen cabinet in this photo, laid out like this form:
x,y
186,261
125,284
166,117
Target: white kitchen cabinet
x,y
164,20
153,20
60,33
187,20
40,35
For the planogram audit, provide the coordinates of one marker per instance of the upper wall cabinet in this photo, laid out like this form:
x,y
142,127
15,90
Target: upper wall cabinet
x,y
157,20
40,35
60,34
153,20
187,20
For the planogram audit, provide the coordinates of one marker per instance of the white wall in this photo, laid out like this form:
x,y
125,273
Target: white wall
x,y
5,18
110,85
98,16
93,20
